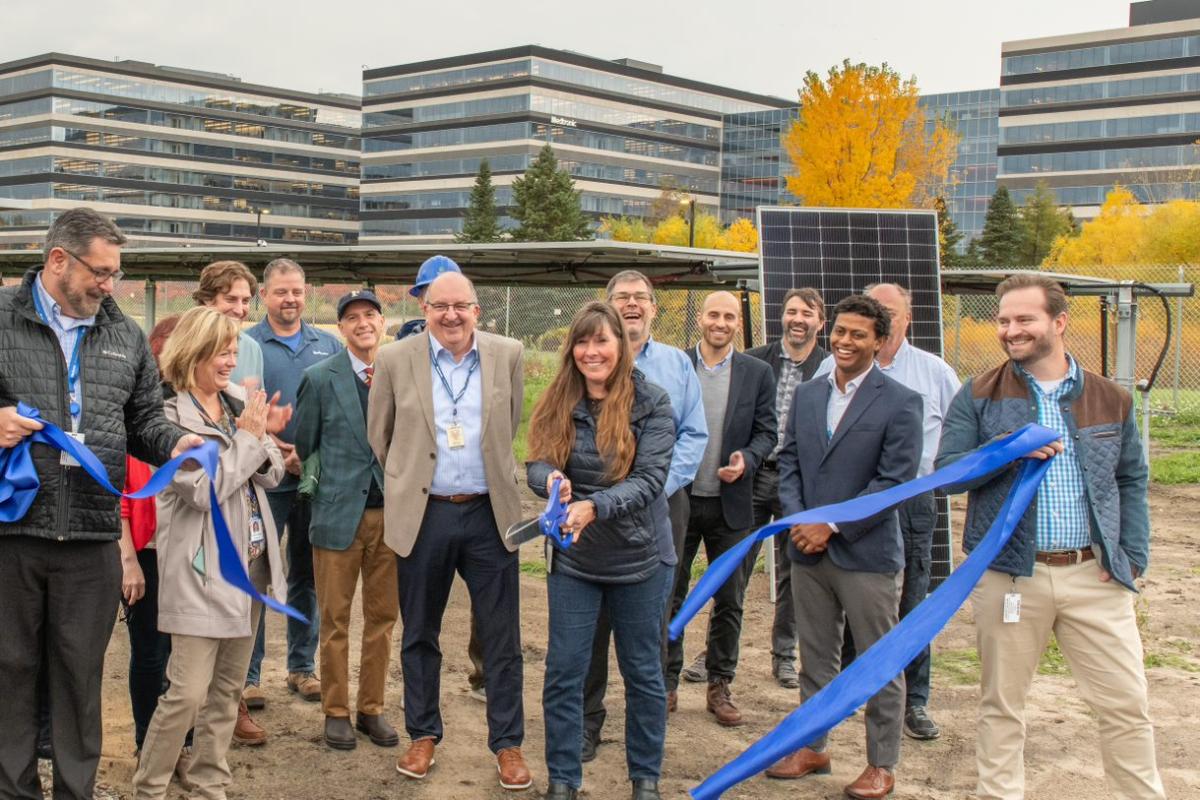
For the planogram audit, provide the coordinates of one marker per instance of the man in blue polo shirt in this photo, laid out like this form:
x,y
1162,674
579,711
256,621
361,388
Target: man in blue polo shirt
x,y
289,347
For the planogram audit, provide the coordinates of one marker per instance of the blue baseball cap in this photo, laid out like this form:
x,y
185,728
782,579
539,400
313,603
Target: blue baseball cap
x,y
358,295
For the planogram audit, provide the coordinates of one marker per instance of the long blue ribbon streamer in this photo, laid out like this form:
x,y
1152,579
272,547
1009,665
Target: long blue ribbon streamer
x,y
872,670
19,486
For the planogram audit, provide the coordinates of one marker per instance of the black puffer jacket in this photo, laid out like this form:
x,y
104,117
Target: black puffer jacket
x,y
623,544
122,407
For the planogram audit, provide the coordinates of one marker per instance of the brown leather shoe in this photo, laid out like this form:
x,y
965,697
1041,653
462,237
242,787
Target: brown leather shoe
x,y
672,701
873,784
800,763
417,760
721,705
247,731
514,775
305,684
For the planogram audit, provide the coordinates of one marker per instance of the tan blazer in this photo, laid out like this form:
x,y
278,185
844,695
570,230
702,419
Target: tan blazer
x,y
400,427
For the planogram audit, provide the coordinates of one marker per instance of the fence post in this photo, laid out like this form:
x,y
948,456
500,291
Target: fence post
x,y
150,300
957,331
507,305
1178,334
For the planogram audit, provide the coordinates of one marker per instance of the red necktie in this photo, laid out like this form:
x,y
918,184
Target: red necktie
x,y
368,373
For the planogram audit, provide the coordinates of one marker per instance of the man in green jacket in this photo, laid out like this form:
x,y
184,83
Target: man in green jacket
x,y
347,525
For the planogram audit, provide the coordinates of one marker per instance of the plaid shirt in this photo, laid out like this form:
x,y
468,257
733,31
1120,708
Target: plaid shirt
x,y
1062,508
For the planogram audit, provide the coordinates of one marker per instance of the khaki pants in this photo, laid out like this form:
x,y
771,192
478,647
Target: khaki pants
x,y
203,673
1096,630
336,573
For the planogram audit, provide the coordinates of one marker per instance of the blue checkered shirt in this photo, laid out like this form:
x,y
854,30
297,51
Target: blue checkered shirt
x,y
1062,509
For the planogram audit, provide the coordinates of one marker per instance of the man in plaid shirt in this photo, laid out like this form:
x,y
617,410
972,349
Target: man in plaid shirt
x,y
1071,565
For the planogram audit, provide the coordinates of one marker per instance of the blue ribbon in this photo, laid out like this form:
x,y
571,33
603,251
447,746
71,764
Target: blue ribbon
x,y
551,520
19,486
872,670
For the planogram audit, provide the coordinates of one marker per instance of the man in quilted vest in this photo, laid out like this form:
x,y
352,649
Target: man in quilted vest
x,y
1071,565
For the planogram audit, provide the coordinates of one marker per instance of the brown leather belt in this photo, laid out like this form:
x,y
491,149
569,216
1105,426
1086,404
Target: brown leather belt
x,y
1065,558
457,498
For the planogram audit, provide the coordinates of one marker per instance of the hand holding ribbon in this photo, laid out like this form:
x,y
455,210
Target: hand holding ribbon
x,y
552,518
19,486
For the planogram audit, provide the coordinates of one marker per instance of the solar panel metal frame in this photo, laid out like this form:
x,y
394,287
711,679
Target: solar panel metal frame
x,y
838,252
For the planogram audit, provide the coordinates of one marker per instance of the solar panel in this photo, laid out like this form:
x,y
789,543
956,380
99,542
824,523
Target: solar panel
x,y
839,252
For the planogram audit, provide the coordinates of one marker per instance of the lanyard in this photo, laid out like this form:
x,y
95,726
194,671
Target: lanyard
x,y
72,364
454,398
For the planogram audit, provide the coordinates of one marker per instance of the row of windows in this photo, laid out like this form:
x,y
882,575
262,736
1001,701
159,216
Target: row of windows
x,y
1124,159
591,203
140,172
1101,129
1094,195
223,99
545,104
984,99
1084,57
566,73
142,116
511,162
108,194
213,230
1103,90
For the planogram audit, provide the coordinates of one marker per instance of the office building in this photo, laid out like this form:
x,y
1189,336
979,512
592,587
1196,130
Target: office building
x,y
754,166
623,129
974,115
175,156
1087,111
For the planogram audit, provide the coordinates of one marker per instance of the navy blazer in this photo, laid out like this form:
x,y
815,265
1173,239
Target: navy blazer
x,y
750,426
876,446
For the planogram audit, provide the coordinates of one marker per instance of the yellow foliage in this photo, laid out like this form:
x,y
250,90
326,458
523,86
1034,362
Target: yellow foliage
x,y
1115,236
740,237
625,229
862,141
1173,234
674,230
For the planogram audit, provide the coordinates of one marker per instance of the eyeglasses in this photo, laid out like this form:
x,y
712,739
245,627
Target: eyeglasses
x,y
625,297
442,308
101,275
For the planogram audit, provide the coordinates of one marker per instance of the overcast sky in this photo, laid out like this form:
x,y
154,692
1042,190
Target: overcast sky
x,y
763,46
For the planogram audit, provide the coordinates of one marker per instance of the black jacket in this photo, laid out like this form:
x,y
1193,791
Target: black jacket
x,y
623,544
750,426
122,409
773,354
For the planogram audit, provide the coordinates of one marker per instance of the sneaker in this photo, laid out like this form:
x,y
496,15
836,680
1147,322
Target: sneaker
x,y
305,684
785,673
697,671
918,725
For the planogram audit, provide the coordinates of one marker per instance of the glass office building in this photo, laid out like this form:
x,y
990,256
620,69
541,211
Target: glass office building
x,y
1085,112
174,156
974,115
754,165
623,129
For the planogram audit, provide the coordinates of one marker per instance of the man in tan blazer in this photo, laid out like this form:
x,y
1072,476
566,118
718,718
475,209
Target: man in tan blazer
x,y
443,411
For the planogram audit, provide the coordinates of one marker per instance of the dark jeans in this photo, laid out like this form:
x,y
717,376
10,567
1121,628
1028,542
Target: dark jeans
x,y
59,598
288,509
707,524
596,685
767,508
635,611
918,517
461,538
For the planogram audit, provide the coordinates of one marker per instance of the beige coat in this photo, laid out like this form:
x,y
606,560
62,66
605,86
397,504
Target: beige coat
x,y
400,427
188,603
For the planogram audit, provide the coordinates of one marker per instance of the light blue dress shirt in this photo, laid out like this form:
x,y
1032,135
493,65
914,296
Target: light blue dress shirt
x,y
670,368
458,470
67,330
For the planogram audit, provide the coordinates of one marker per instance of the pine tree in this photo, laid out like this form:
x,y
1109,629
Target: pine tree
x,y
1000,242
1042,222
948,235
480,224
546,204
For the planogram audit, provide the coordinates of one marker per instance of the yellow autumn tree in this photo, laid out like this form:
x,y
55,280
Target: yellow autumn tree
x,y
862,141
739,236
1115,236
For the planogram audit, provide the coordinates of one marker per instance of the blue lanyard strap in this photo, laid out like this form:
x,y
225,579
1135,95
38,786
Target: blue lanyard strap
x,y
73,363
454,398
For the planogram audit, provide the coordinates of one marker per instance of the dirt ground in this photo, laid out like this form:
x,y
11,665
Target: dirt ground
x,y
1062,753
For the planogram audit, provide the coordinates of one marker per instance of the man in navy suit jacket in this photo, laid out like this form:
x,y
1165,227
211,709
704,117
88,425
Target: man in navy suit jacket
x,y
852,434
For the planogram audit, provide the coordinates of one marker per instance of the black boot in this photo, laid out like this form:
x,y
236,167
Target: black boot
x,y
646,790
560,791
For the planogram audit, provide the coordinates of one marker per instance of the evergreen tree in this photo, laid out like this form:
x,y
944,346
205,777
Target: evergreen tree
x,y
546,204
948,235
480,224
1000,242
1042,222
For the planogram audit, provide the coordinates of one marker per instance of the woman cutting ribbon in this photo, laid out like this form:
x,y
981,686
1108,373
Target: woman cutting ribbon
x,y
210,621
608,433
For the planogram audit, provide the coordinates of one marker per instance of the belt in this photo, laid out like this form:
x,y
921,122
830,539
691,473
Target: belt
x,y
457,498
1065,558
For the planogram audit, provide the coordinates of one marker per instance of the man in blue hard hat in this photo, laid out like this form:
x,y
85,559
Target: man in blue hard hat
x,y
430,269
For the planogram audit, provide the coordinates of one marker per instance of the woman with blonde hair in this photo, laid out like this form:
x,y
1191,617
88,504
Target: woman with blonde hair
x,y
607,433
211,623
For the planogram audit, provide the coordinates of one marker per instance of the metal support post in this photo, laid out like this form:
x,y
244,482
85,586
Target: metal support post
x,y
747,321
507,307
1178,336
1126,336
151,306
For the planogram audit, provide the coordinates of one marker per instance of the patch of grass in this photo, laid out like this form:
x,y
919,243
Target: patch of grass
x,y
1177,468
1177,430
1171,661
959,667
536,568
538,374
1052,661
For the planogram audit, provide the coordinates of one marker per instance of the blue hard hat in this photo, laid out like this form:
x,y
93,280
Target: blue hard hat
x,y
410,328
433,266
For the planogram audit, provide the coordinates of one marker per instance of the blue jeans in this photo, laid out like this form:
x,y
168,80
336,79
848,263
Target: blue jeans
x,y
287,509
635,611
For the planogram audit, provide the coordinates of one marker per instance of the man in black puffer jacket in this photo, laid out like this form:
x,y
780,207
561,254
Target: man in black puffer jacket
x,y
67,350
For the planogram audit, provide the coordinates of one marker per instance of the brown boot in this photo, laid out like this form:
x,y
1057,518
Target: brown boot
x,y
721,705
800,763
247,731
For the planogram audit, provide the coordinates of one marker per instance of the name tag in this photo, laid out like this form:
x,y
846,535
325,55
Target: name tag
x,y
65,458
1012,607
456,437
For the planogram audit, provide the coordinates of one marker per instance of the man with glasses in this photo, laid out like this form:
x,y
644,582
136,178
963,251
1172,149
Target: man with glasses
x,y
67,350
